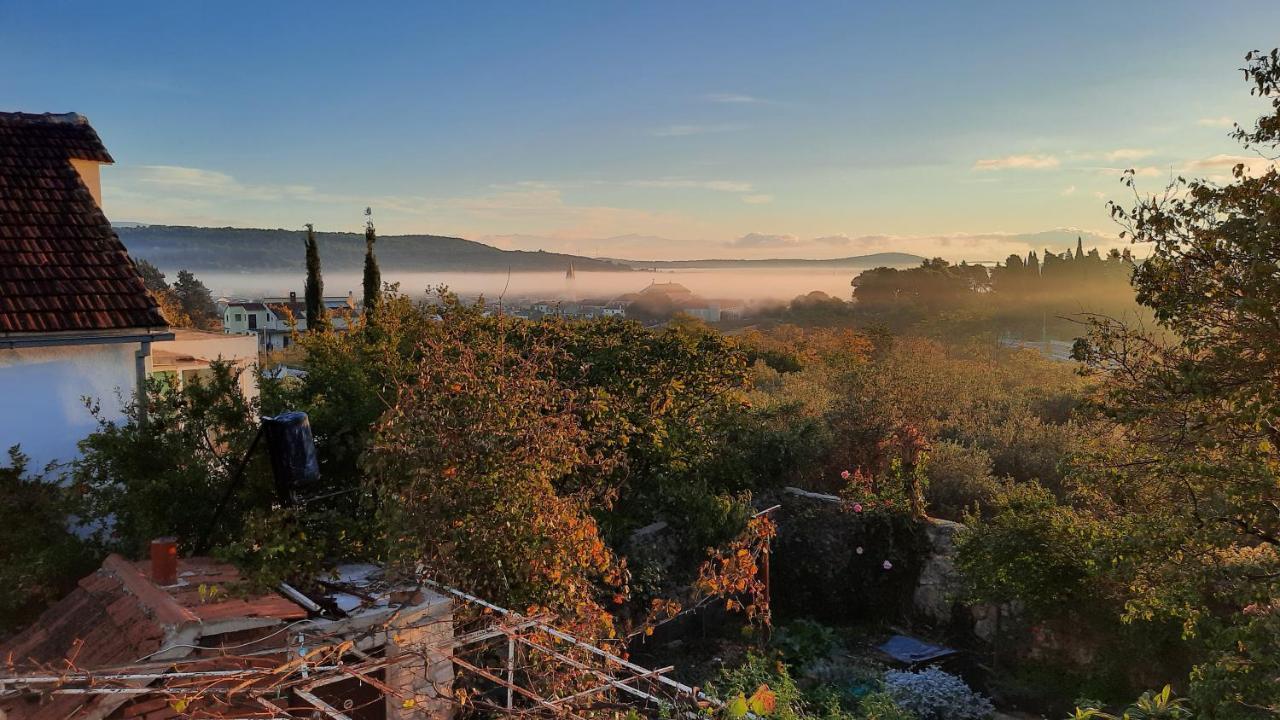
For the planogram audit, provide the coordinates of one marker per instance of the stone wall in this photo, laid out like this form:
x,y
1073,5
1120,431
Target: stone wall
x,y
940,587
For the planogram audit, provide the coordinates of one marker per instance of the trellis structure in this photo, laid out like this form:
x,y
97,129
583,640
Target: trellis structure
x,y
501,663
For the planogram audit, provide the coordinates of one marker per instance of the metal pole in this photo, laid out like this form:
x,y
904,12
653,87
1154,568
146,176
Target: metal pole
x,y
511,671
237,477
140,368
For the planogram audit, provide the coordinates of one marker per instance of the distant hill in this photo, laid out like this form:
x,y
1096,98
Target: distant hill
x,y
243,249
888,259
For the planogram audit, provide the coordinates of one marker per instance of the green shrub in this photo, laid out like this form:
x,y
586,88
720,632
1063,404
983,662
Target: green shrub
x,y
803,641
792,704
879,705
959,477
40,560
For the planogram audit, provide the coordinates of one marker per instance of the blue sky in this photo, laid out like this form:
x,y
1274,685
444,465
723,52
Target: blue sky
x,y
645,129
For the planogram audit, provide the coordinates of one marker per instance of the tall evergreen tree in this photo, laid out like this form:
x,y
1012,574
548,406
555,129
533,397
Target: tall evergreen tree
x,y
195,299
372,276
152,277
317,315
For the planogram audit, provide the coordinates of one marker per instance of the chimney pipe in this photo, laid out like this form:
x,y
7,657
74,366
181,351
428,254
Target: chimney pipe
x,y
164,561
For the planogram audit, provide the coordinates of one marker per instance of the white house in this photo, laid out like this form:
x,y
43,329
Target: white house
x,y
274,319
76,320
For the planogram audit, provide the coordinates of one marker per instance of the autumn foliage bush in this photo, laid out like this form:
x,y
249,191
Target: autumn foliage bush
x,y
466,467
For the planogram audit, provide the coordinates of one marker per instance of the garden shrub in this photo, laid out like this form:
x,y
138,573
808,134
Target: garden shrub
x,y
791,701
879,705
849,679
932,694
39,559
959,476
803,641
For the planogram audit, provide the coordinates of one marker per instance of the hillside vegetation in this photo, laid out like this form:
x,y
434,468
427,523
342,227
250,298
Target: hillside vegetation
x,y
246,249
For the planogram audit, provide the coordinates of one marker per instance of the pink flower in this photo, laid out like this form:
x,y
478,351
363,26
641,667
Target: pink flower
x,y
844,474
857,507
858,549
888,565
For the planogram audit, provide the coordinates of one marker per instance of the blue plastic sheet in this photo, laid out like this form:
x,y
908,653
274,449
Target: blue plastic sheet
x,y
912,651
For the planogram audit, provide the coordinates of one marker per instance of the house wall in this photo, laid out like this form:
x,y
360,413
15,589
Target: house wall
x,y
41,391
231,325
241,350
91,175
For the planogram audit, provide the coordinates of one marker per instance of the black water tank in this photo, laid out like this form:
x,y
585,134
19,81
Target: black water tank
x,y
293,456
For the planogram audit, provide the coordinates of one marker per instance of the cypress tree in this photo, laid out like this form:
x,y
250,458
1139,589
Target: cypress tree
x,y
317,316
372,276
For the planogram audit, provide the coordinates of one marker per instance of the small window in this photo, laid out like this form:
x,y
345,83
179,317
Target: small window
x,y
239,317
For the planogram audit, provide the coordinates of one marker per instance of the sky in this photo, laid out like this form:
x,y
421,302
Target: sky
x,y
966,130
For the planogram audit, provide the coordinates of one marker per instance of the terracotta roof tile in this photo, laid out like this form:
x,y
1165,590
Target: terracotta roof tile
x,y
117,616
62,267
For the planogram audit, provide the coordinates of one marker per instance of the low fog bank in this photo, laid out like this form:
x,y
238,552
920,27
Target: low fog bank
x,y
751,285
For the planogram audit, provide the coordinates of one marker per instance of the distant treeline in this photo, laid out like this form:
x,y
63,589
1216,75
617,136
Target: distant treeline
x,y
1024,297
254,250
938,284
1027,298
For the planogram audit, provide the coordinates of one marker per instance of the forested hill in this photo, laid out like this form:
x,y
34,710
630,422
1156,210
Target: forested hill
x,y
244,249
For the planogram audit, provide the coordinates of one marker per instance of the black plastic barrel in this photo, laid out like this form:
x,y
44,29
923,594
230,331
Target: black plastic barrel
x,y
293,456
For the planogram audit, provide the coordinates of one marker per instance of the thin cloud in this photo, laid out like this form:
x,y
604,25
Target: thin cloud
x,y
1220,167
1128,154
834,240
1018,162
213,183
763,240
687,130
730,186
735,99
1142,171
760,199
1068,191
1222,121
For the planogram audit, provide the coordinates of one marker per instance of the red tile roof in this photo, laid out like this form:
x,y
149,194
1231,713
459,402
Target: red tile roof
x,y
62,268
118,616
195,572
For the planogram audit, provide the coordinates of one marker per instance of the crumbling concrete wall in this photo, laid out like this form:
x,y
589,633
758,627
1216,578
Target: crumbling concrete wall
x,y
424,678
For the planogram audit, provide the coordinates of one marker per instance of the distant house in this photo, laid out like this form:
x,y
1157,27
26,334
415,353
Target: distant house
x,y
274,319
667,298
673,291
547,308
705,311
76,320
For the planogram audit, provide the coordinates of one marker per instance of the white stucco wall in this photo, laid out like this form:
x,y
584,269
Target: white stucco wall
x,y
41,391
241,350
